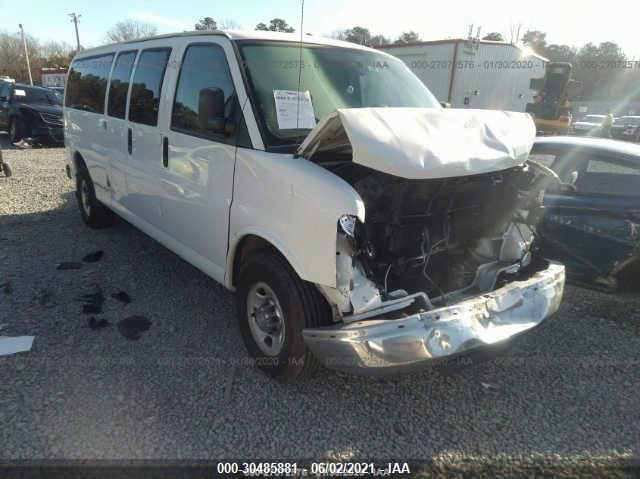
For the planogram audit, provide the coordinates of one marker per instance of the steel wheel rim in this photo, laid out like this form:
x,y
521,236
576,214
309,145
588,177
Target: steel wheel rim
x,y
266,320
85,198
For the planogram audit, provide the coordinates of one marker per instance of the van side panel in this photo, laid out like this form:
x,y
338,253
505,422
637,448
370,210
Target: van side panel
x,y
294,205
84,126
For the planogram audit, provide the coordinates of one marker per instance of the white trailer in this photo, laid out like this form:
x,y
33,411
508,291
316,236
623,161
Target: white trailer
x,y
475,73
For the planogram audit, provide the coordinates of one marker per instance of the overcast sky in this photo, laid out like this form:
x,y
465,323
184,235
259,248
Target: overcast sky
x,y
565,21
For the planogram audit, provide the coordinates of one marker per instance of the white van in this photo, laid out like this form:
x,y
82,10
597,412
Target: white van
x,y
359,224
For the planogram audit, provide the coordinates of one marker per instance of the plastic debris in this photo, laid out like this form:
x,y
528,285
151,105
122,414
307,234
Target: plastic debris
x,y
15,344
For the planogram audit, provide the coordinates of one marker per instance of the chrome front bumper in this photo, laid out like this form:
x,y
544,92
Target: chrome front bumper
x,y
379,346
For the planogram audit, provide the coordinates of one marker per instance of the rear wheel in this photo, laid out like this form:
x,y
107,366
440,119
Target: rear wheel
x,y
16,130
274,305
94,213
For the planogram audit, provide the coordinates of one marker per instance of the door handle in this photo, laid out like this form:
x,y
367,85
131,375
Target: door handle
x,y
129,140
165,152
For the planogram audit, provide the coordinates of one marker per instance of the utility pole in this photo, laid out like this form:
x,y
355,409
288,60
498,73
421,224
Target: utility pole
x,y
75,18
26,53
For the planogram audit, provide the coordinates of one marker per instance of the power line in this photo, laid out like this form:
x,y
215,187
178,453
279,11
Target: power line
x,y
26,53
75,19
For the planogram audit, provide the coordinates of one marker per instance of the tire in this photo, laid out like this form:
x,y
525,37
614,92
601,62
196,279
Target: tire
x,y
300,305
94,214
16,130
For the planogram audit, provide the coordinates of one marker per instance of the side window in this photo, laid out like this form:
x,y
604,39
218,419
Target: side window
x,y
87,83
147,85
204,71
606,176
120,77
4,92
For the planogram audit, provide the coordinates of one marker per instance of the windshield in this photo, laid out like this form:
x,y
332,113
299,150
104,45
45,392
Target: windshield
x,y
330,78
36,95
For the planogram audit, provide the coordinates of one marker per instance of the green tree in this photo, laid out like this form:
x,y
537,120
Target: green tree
x,y
535,39
359,35
276,25
600,69
408,37
378,40
560,53
206,23
494,37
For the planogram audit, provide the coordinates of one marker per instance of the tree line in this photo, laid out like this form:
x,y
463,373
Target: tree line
x,y
603,70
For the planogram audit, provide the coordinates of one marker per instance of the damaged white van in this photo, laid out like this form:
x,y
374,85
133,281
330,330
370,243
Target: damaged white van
x,y
359,224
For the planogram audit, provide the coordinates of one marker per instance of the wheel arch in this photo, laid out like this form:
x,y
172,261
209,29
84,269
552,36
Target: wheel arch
x,y
249,244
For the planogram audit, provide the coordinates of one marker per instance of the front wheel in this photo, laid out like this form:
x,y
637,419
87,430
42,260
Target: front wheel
x,y
94,213
274,305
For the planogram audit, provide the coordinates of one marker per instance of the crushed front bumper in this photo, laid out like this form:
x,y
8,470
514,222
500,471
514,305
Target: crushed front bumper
x,y
380,346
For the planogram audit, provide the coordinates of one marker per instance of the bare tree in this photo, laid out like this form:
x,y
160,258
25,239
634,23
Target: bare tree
x,y
56,54
12,60
230,24
130,29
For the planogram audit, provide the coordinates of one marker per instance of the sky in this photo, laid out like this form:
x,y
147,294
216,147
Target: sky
x,y
571,22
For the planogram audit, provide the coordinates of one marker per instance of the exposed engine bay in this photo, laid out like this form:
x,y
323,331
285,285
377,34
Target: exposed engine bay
x,y
432,242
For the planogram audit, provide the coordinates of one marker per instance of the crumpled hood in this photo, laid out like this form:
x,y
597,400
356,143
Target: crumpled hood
x,y
425,143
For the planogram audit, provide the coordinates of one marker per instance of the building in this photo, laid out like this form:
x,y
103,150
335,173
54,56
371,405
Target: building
x,y
53,77
475,73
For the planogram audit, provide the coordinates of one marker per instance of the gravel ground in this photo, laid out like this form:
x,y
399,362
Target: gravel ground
x,y
569,389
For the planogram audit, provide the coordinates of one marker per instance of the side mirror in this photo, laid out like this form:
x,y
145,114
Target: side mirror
x,y
211,109
445,104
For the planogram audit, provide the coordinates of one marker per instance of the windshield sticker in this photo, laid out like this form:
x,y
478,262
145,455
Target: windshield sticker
x,y
19,93
290,102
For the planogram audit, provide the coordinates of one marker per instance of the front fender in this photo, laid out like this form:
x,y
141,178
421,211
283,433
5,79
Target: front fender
x,y
294,205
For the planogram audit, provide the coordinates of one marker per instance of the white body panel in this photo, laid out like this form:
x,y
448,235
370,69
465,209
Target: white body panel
x,y
211,194
295,205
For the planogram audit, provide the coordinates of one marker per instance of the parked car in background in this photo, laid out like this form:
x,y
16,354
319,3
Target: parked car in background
x,y
592,218
590,125
359,223
626,128
31,112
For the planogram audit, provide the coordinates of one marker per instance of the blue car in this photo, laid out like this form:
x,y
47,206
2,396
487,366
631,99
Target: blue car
x,y
592,217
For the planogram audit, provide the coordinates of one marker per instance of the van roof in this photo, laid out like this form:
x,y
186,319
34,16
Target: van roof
x,y
236,35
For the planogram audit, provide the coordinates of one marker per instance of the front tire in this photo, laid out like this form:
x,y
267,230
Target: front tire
x,y
94,214
274,305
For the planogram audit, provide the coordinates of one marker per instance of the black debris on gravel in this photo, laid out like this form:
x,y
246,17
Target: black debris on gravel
x,y
95,323
65,265
92,302
7,287
122,296
93,257
133,326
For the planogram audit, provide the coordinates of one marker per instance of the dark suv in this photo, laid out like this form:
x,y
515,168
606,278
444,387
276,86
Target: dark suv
x,y
31,112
